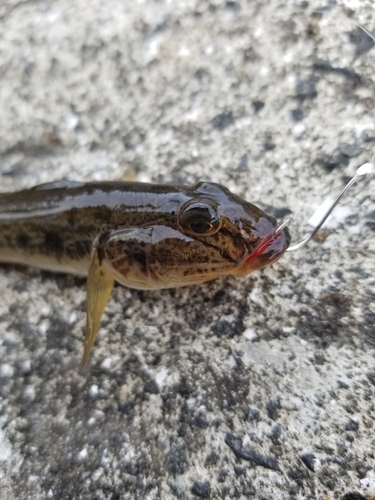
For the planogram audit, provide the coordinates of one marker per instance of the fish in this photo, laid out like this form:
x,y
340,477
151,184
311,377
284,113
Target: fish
x,y
143,236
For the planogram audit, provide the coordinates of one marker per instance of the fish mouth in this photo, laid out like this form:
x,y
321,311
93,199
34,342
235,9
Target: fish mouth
x,y
268,250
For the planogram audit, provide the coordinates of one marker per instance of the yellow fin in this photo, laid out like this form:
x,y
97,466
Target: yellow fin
x,y
99,288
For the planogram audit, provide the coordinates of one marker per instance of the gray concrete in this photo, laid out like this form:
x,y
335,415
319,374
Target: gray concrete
x,y
256,388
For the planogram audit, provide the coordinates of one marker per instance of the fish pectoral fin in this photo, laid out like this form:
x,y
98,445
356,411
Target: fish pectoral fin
x,y
99,288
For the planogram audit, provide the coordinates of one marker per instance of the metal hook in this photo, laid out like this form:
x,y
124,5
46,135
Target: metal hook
x,y
361,171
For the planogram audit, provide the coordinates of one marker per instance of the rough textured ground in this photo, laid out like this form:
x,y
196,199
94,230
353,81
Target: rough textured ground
x,y
257,388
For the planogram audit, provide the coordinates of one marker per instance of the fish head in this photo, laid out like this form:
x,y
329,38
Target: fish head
x,y
245,237
211,233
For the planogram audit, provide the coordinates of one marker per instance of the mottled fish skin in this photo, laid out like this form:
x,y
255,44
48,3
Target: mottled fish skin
x,y
141,235
53,226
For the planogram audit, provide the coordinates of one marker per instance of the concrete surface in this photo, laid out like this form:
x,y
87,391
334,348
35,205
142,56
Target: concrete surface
x,y
257,388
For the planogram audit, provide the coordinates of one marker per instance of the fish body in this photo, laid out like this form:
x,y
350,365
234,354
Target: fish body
x,y
53,226
141,235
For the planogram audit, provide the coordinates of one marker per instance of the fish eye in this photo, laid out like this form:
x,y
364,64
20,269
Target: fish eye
x,y
200,226
199,217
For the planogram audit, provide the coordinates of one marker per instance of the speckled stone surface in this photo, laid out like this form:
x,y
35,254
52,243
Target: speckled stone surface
x,y
256,388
